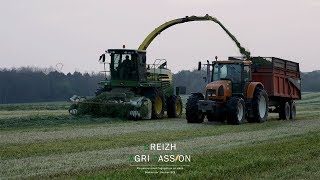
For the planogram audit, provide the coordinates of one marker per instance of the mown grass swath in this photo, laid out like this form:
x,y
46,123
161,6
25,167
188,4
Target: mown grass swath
x,y
36,133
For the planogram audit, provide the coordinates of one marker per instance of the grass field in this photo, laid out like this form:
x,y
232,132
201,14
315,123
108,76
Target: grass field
x,y
41,140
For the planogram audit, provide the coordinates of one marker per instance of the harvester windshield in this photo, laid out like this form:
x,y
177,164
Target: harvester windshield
x,y
127,64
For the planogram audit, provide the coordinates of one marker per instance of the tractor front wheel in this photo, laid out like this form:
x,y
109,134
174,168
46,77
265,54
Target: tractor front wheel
x,y
236,111
193,114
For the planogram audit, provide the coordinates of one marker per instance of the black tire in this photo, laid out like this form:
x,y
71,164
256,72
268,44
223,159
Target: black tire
x,y
216,118
293,110
174,106
284,111
155,96
193,115
235,111
260,106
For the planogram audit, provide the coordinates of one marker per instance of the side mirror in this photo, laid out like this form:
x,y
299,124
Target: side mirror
x,y
199,66
102,58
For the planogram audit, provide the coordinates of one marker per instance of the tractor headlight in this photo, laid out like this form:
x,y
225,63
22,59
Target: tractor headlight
x,y
220,91
211,92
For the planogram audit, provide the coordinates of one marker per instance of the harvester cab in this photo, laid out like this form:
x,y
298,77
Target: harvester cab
x,y
125,65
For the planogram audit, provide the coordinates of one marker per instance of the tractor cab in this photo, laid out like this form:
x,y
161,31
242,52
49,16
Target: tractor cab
x,y
127,65
227,78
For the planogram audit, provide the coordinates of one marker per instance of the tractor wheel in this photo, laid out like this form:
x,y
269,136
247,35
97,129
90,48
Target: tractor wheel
x,y
284,112
193,115
157,100
260,105
293,112
236,111
216,118
174,106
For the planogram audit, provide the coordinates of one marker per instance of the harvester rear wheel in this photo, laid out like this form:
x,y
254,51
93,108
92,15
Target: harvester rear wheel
x,y
193,114
157,100
260,105
236,111
174,106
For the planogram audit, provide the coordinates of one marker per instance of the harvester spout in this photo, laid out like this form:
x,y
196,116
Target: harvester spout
x,y
147,41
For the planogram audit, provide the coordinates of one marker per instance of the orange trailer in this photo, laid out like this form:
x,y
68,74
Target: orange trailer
x,y
281,80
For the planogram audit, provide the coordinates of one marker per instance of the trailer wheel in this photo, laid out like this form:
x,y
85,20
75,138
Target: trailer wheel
x,y
284,112
174,106
157,100
293,112
260,106
193,114
216,118
236,111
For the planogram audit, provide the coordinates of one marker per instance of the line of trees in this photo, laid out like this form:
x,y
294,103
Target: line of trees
x,y
38,85
30,84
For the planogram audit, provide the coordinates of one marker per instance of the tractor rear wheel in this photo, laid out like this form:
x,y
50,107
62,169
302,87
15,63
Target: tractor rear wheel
x,y
236,111
293,112
193,114
157,99
174,106
260,106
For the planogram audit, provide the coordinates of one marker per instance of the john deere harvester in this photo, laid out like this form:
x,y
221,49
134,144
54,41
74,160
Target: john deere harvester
x,y
134,88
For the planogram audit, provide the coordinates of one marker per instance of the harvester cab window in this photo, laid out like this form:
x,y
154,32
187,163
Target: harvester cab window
x,y
117,61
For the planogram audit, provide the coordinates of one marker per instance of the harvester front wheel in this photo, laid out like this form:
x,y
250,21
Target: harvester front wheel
x,y
174,106
193,114
157,100
236,111
260,105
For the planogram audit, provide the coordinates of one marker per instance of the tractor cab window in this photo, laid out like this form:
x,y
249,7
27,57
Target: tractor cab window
x,y
227,72
246,73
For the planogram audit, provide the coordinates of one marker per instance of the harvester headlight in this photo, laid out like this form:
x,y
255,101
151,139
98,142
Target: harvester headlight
x,y
220,91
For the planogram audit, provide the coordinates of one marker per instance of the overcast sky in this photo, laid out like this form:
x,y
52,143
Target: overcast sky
x,y
75,32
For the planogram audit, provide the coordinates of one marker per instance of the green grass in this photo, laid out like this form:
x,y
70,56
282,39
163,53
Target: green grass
x,y
297,157
35,106
18,150
41,140
46,118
